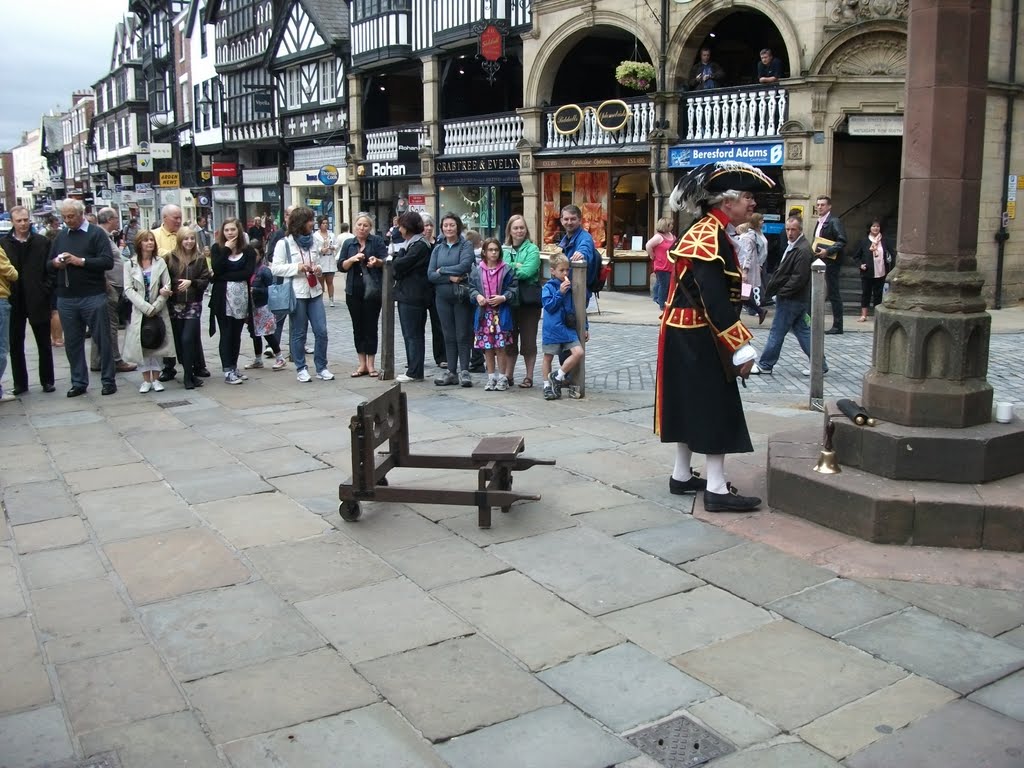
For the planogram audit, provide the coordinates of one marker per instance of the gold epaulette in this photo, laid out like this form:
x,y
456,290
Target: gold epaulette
x,y
699,242
735,336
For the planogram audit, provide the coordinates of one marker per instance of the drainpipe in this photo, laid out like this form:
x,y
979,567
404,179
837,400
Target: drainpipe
x,y
1002,235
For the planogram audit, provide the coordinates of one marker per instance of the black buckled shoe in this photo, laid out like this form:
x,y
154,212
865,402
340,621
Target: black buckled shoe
x,y
167,374
730,502
694,484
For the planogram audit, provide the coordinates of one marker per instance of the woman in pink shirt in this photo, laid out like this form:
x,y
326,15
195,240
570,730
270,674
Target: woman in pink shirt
x,y
657,248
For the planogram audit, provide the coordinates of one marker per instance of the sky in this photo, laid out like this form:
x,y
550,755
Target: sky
x,y
51,48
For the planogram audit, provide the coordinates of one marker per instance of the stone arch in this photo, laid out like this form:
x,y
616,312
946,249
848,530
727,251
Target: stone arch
x,y
701,19
893,351
556,46
870,48
977,345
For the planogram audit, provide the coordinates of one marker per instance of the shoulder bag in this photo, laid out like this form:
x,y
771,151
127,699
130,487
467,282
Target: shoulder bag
x,y
281,295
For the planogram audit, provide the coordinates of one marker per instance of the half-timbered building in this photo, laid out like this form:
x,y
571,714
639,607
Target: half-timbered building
x,y
308,56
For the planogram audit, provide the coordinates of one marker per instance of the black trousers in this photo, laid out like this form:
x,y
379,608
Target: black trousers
x,y
436,335
41,332
365,314
414,325
832,292
230,343
870,289
188,345
199,361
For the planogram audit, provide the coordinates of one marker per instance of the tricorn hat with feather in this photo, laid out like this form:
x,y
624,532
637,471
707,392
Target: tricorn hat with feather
x,y
706,182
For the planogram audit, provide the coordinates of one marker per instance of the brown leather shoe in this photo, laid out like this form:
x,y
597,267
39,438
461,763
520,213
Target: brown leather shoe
x,y
123,367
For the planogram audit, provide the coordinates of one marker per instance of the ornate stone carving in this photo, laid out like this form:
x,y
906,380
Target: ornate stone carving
x,y
881,53
845,12
794,150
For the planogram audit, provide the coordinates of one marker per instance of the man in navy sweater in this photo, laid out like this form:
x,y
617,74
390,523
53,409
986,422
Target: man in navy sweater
x,y
79,257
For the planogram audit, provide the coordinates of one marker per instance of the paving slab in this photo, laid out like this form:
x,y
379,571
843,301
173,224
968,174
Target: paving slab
x,y
211,632
248,701
593,571
32,502
526,620
117,688
757,572
266,518
167,741
989,611
732,720
66,418
1014,637
11,600
90,452
50,534
373,736
381,619
386,527
629,517
1005,696
288,460
34,739
445,561
27,464
316,491
174,563
524,520
836,606
854,726
25,680
938,649
625,686
316,566
83,619
102,478
227,482
553,737
959,735
124,513
788,674
791,755
680,623
448,689
58,566
682,541
179,451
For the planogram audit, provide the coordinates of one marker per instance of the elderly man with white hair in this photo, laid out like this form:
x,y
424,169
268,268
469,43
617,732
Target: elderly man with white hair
x,y
79,259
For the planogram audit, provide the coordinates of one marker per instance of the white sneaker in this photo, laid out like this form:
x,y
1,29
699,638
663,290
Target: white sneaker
x,y
146,386
7,397
232,378
325,375
157,386
405,379
304,376
502,384
332,302
268,353
253,364
757,370
309,349
278,364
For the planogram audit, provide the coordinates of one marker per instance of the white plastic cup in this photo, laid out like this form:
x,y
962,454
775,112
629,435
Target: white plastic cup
x,y
1004,413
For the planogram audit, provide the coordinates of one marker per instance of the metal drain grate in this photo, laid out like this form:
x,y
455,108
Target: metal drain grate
x,y
106,760
174,403
680,743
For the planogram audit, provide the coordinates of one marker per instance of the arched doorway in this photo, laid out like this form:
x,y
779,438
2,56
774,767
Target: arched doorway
x,y
587,73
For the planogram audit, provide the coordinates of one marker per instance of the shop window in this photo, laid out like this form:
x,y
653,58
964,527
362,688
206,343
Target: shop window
x,y
586,189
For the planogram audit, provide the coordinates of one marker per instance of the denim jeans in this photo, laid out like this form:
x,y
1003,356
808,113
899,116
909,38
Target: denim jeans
x,y
414,326
790,316
311,311
5,326
75,315
661,280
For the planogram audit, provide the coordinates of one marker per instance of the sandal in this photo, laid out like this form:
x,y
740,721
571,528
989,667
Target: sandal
x,y
526,383
357,374
374,374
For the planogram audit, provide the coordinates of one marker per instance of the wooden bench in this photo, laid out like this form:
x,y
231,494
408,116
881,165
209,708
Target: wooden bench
x,y
384,420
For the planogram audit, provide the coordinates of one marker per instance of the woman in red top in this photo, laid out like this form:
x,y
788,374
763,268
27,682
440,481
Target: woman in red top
x,y
657,248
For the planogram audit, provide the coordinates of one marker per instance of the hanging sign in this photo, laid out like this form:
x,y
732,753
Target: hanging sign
x,y
492,43
328,175
612,115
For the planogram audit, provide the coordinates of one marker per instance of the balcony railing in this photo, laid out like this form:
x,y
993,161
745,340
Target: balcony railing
x,y
493,133
383,144
639,123
750,112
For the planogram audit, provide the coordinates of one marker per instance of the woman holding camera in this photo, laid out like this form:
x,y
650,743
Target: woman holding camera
x,y
362,259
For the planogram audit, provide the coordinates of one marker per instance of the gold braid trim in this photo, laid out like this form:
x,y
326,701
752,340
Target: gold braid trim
x,y
699,242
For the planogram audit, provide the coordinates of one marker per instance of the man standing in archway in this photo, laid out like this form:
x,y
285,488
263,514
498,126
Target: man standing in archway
x,y
706,74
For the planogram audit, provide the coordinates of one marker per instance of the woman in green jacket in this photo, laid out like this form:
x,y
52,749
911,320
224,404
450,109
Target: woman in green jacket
x,y
524,257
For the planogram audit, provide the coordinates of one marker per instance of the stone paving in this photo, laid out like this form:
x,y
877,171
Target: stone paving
x,y
177,589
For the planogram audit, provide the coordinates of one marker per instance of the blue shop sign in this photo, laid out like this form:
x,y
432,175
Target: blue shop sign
x,y
756,153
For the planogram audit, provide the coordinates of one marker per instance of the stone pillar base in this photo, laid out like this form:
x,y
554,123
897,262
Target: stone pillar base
x,y
927,402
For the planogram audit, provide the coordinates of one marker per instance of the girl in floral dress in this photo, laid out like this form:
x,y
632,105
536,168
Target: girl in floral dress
x,y
493,287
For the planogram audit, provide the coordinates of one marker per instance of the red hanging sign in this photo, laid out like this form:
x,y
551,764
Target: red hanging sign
x,y
491,43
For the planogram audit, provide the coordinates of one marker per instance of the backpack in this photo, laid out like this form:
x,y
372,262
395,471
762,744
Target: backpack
x,y
601,279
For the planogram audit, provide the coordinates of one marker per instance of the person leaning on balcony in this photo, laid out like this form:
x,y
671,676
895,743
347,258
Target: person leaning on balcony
x,y
769,69
706,74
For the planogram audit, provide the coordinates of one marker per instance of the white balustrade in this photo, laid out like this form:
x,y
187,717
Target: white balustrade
x,y
383,144
494,133
744,113
639,123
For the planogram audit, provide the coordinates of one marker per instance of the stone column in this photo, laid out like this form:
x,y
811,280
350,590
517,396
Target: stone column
x,y
932,334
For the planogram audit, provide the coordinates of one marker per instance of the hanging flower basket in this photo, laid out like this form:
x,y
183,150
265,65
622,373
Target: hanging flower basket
x,y
638,75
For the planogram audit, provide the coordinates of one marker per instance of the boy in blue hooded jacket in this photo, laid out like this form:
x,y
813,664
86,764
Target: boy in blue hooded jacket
x,y
558,335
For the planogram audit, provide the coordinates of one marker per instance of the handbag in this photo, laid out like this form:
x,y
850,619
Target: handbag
x,y
461,292
281,295
153,332
529,294
371,285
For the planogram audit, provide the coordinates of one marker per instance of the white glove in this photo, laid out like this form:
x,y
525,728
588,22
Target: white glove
x,y
744,354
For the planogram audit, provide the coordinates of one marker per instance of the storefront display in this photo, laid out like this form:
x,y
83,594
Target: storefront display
x,y
317,180
482,191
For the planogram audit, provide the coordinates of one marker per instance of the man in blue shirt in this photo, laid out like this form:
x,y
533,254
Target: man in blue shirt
x,y
578,245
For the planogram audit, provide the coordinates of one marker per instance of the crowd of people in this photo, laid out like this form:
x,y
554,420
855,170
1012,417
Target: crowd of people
x,y
487,299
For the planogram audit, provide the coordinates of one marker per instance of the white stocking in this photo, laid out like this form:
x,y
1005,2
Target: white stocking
x,y
684,456
715,466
